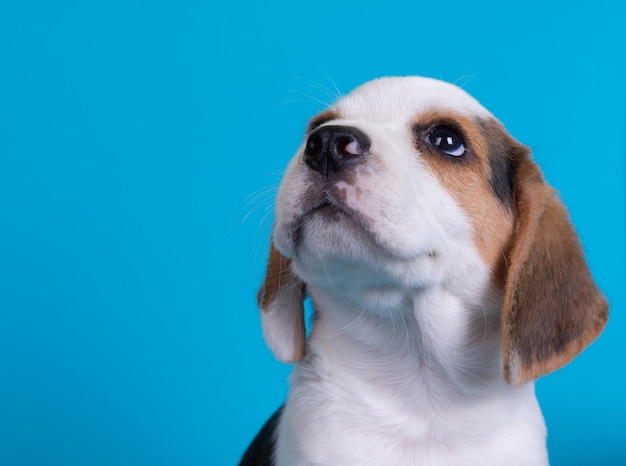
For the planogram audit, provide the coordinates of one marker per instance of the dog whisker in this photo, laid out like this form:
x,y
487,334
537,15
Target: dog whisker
x,y
338,93
332,94
309,98
466,79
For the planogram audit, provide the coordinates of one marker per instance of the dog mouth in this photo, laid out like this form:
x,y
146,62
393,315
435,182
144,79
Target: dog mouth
x,y
325,208
329,210
330,223
329,206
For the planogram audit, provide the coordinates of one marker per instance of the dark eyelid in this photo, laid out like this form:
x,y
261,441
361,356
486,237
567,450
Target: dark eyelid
x,y
449,124
428,128
422,130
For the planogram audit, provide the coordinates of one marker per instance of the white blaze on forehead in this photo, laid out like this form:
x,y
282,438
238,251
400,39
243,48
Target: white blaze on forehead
x,y
387,99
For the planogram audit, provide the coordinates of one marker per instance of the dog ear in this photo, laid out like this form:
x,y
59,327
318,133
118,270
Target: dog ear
x,y
552,307
281,300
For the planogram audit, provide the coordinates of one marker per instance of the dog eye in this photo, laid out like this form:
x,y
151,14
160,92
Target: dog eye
x,y
446,140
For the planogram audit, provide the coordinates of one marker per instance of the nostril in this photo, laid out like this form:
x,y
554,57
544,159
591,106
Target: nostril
x,y
348,147
313,145
332,148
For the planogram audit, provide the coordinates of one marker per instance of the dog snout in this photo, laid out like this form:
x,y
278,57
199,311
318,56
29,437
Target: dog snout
x,y
331,149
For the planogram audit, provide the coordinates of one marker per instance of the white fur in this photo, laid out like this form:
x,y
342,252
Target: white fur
x,y
280,319
395,372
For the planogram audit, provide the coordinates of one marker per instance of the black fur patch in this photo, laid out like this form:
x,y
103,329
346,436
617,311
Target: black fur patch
x,y
504,154
261,450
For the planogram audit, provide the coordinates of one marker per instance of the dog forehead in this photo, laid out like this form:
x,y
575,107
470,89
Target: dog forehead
x,y
391,98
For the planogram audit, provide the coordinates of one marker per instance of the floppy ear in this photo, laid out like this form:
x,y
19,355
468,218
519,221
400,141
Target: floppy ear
x,y
281,299
552,307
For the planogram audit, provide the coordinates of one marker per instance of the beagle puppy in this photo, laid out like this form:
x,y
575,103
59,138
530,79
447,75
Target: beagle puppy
x,y
445,277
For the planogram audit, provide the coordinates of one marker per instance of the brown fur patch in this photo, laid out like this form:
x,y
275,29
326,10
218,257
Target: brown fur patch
x,y
552,307
278,276
468,179
320,119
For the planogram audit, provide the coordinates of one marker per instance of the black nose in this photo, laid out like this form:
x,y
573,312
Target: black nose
x,y
330,149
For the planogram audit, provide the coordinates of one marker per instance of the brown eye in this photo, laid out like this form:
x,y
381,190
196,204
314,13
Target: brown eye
x,y
446,140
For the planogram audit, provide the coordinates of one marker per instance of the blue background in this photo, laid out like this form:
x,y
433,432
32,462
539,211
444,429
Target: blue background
x,y
140,145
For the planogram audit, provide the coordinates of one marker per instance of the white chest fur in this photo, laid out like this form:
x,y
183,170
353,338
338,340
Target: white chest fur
x,y
402,396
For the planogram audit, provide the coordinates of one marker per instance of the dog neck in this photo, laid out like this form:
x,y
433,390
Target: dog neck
x,y
409,378
366,335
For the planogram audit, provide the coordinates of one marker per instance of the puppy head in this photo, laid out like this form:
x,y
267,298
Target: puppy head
x,y
408,183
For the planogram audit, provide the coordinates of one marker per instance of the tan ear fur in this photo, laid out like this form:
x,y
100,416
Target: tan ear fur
x,y
280,299
552,307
